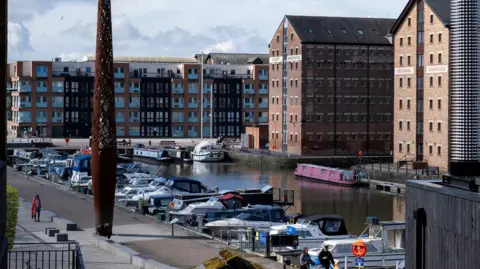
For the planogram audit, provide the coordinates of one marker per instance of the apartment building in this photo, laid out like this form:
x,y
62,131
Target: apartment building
x,y
421,41
331,86
154,97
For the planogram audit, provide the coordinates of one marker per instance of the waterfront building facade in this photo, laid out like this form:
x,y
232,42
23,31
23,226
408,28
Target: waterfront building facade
x,y
422,51
331,86
154,97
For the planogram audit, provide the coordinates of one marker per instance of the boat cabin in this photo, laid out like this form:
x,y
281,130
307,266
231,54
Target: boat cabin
x,y
317,225
263,213
186,185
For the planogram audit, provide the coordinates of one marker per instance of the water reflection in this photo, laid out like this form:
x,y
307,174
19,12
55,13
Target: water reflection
x,y
354,204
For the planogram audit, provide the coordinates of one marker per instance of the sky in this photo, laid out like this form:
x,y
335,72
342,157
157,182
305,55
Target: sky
x,y
43,30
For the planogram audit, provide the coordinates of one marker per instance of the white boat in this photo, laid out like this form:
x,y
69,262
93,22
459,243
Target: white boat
x,y
206,151
128,192
385,243
261,218
314,230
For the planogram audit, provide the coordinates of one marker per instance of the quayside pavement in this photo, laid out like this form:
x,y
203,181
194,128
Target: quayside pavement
x,y
140,233
33,233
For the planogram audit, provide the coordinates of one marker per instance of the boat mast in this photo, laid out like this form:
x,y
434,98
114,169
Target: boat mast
x,y
201,96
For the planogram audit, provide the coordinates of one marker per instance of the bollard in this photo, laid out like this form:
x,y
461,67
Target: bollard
x,y
173,229
346,262
200,223
253,236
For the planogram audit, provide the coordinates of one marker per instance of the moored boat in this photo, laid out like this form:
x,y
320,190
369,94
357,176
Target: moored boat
x,y
327,174
205,151
152,154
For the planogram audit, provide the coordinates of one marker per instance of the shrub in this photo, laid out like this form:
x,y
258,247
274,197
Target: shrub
x,y
12,215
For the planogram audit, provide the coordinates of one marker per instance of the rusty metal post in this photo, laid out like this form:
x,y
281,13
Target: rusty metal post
x,y
3,132
104,142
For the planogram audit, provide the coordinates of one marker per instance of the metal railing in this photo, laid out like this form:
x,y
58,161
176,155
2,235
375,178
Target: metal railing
x,y
45,255
29,140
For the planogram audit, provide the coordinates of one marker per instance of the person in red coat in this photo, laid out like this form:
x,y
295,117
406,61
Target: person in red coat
x,y
36,208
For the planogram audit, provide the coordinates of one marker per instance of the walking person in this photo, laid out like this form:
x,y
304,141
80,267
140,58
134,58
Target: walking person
x,y
305,259
36,208
326,258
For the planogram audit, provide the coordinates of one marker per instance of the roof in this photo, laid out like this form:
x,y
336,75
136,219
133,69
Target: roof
x,y
441,8
341,30
238,58
147,59
323,216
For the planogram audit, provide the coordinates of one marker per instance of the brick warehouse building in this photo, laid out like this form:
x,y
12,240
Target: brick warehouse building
x,y
421,42
331,86
154,97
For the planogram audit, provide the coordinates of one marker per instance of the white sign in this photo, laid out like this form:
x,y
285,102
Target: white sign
x,y
294,58
404,71
434,69
275,60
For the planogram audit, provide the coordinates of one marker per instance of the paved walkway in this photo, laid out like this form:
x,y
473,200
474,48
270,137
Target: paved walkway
x,y
30,232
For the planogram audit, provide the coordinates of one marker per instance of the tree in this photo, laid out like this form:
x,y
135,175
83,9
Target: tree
x,y
12,215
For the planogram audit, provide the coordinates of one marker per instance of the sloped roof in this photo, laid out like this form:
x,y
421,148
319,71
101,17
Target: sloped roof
x,y
237,58
441,8
122,59
341,30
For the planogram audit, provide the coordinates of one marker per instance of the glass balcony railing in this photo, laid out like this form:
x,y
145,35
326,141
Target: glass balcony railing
x,y
206,105
118,75
41,104
263,76
263,91
207,90
57,104
192,119
119,104
206,119
119,89
24,88
41,72
134,105
192,105
263,119
249,105
177,119
41,119
248,91
193,90
134,89
24,119
248,119
192,133
57,87
263,105
41,88
178,90
57,119
24,104
119,118
177,105
192,76
177,133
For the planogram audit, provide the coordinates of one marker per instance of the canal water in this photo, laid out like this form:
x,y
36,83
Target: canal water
x,y
354,204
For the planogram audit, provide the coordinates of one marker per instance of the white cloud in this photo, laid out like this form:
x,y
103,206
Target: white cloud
x,y
47,29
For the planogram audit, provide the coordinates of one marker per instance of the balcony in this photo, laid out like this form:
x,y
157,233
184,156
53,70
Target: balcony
x,y
248,119
41,104
24,104
263,76
207,90
24,119
177,119
248,90
134,105
206,119
57,119
25,87
192,119
57,87
178,89
177,105
193,89
177,133
119,75
41,88
41,119
192,105
120,131
263,105
134,132
192,133
263,119
249,105
192,76
41,71
263,91
119,89
119,103
134,89
57,104
133,119
119,118
206,130
206,105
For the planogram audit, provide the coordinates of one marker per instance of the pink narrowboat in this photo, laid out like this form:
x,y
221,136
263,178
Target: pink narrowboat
x,y
327,174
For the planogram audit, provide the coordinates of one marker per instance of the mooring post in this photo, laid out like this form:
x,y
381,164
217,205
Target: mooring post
x,y
104,144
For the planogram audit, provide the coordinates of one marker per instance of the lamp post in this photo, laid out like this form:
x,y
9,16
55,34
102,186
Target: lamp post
x,y
3,133
104,141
